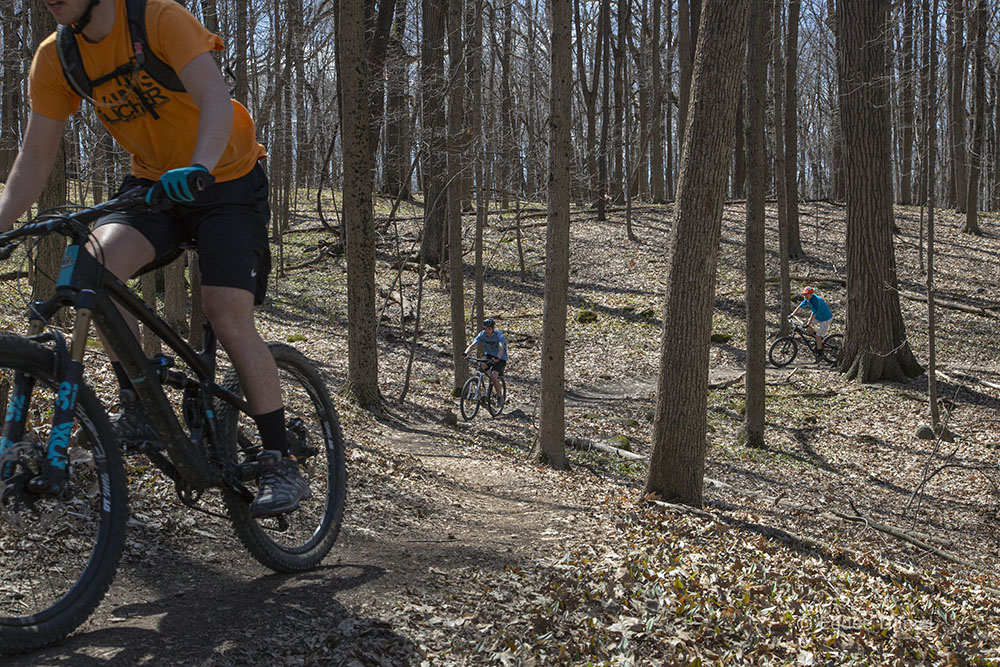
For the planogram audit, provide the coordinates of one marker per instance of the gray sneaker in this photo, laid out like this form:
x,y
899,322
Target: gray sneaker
x,y
280,486
131,425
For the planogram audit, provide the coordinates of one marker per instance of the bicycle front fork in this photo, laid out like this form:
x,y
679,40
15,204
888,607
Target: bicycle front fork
x,y
54,470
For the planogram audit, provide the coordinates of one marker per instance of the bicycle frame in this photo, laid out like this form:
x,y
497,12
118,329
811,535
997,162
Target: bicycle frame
x,y
75,287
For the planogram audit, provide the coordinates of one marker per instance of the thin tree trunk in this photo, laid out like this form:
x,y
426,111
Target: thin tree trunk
x,y
358,216
978,27
756,184
551,447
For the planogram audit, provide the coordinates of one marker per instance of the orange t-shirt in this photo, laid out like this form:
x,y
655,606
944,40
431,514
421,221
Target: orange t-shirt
x,y
156,145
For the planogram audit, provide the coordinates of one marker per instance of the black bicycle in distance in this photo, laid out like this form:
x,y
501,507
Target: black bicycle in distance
x,y
783,350
63,496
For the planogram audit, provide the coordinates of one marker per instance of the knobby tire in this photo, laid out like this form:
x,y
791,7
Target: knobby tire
x,y
72,542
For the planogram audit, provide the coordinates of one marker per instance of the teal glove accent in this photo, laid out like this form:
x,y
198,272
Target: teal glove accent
x,y
176,183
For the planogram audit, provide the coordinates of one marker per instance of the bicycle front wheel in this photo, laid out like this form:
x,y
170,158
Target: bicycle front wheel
x,y
783,351
832,345
469,402
495,401
300,539
58,555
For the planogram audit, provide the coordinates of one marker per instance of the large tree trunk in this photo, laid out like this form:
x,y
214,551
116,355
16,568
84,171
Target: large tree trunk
x,y
791,129
756,186
551,447
677,463
358,216
979,26
875,347
435,129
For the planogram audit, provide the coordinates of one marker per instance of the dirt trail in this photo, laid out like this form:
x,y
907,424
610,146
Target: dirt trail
x,y
193,597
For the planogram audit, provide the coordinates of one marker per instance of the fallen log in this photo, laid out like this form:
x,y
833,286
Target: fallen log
x,y
585,445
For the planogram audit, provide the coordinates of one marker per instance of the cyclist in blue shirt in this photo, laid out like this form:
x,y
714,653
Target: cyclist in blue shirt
x,y
820,313
495,349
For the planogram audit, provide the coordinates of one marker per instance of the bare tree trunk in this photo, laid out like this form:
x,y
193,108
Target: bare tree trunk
x,y
589,93
779,167
474,10
656,167
791,128
756,184
175,295
930,132
397,145
978,27
677,463
906,105
875,346
434,130
456,167
956,102
602,165
551,448
358,217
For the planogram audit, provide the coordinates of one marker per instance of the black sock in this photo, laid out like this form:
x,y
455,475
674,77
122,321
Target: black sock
x,y
271,427
123,380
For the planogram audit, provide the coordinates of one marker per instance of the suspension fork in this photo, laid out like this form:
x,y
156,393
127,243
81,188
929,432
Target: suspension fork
x,y
18,402
55,471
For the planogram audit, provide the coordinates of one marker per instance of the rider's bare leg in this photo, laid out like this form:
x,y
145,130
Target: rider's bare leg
x,y
123,251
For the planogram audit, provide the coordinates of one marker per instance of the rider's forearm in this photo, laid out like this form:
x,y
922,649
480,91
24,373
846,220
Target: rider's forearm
x,y
214,127
204,82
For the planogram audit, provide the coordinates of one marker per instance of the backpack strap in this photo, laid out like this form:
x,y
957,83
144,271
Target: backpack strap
x,y
160,71
72,63
76,73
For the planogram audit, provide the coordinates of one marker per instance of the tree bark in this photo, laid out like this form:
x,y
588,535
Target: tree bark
x,y
956,103
791,129
677,464
358,216
756,185
875,346
435,129
551,448
978,27
456,167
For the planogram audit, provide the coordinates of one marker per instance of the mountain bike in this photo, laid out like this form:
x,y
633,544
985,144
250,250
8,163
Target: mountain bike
x,y
783,350
63,497
478,390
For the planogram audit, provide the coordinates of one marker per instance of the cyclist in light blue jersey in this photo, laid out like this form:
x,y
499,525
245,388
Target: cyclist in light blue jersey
x,y
495,349
820,313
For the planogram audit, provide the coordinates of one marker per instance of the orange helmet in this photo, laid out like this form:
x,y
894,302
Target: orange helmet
x,y
807,291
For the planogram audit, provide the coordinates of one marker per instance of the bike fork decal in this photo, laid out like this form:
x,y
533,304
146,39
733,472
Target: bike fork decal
x,y
13,426
62,420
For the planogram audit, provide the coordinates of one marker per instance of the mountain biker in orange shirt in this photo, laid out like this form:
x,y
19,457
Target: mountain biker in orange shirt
x,y
171,136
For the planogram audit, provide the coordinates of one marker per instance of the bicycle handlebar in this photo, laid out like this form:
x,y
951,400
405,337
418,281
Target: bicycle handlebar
x,y
78,222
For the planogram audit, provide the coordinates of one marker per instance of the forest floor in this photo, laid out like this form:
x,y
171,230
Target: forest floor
x,y
457,549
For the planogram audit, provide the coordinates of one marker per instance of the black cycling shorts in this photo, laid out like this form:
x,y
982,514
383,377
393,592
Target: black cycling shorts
x,y
228,222
498,366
